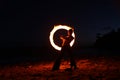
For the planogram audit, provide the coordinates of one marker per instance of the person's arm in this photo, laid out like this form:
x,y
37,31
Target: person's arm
x,y
63,40
61,37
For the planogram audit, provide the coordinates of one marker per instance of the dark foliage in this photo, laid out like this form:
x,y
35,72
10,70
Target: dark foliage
x,y
110,40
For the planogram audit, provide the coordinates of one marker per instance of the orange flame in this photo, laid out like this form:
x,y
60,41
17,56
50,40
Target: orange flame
x,y
52,35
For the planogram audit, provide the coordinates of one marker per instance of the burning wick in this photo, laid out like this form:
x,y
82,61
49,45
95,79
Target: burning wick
x,y
52,35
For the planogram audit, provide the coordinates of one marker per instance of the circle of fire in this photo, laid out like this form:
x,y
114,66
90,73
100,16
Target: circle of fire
x,y
52,34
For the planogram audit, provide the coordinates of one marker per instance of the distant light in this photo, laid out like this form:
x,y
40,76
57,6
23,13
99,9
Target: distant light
x,y
52,35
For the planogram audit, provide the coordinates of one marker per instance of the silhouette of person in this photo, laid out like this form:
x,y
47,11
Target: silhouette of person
x,y
66,50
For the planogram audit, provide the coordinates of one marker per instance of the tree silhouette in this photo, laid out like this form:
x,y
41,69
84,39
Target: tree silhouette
x,y
108,41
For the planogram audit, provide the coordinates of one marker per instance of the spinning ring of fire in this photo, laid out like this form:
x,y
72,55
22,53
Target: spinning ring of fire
x,y
52,35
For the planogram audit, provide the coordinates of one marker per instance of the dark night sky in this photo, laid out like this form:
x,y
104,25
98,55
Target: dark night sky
x,y
28,23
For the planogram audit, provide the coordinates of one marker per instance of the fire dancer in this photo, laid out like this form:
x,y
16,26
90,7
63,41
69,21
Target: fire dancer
x,y
66,50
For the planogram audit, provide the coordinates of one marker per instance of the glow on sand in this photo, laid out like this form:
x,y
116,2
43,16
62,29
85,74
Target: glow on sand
x,y
52,35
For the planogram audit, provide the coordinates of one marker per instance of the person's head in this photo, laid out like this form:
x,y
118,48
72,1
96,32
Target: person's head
x,y
70,32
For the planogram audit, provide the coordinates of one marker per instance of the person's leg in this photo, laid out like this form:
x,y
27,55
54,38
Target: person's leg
x,y
57,63
72,62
